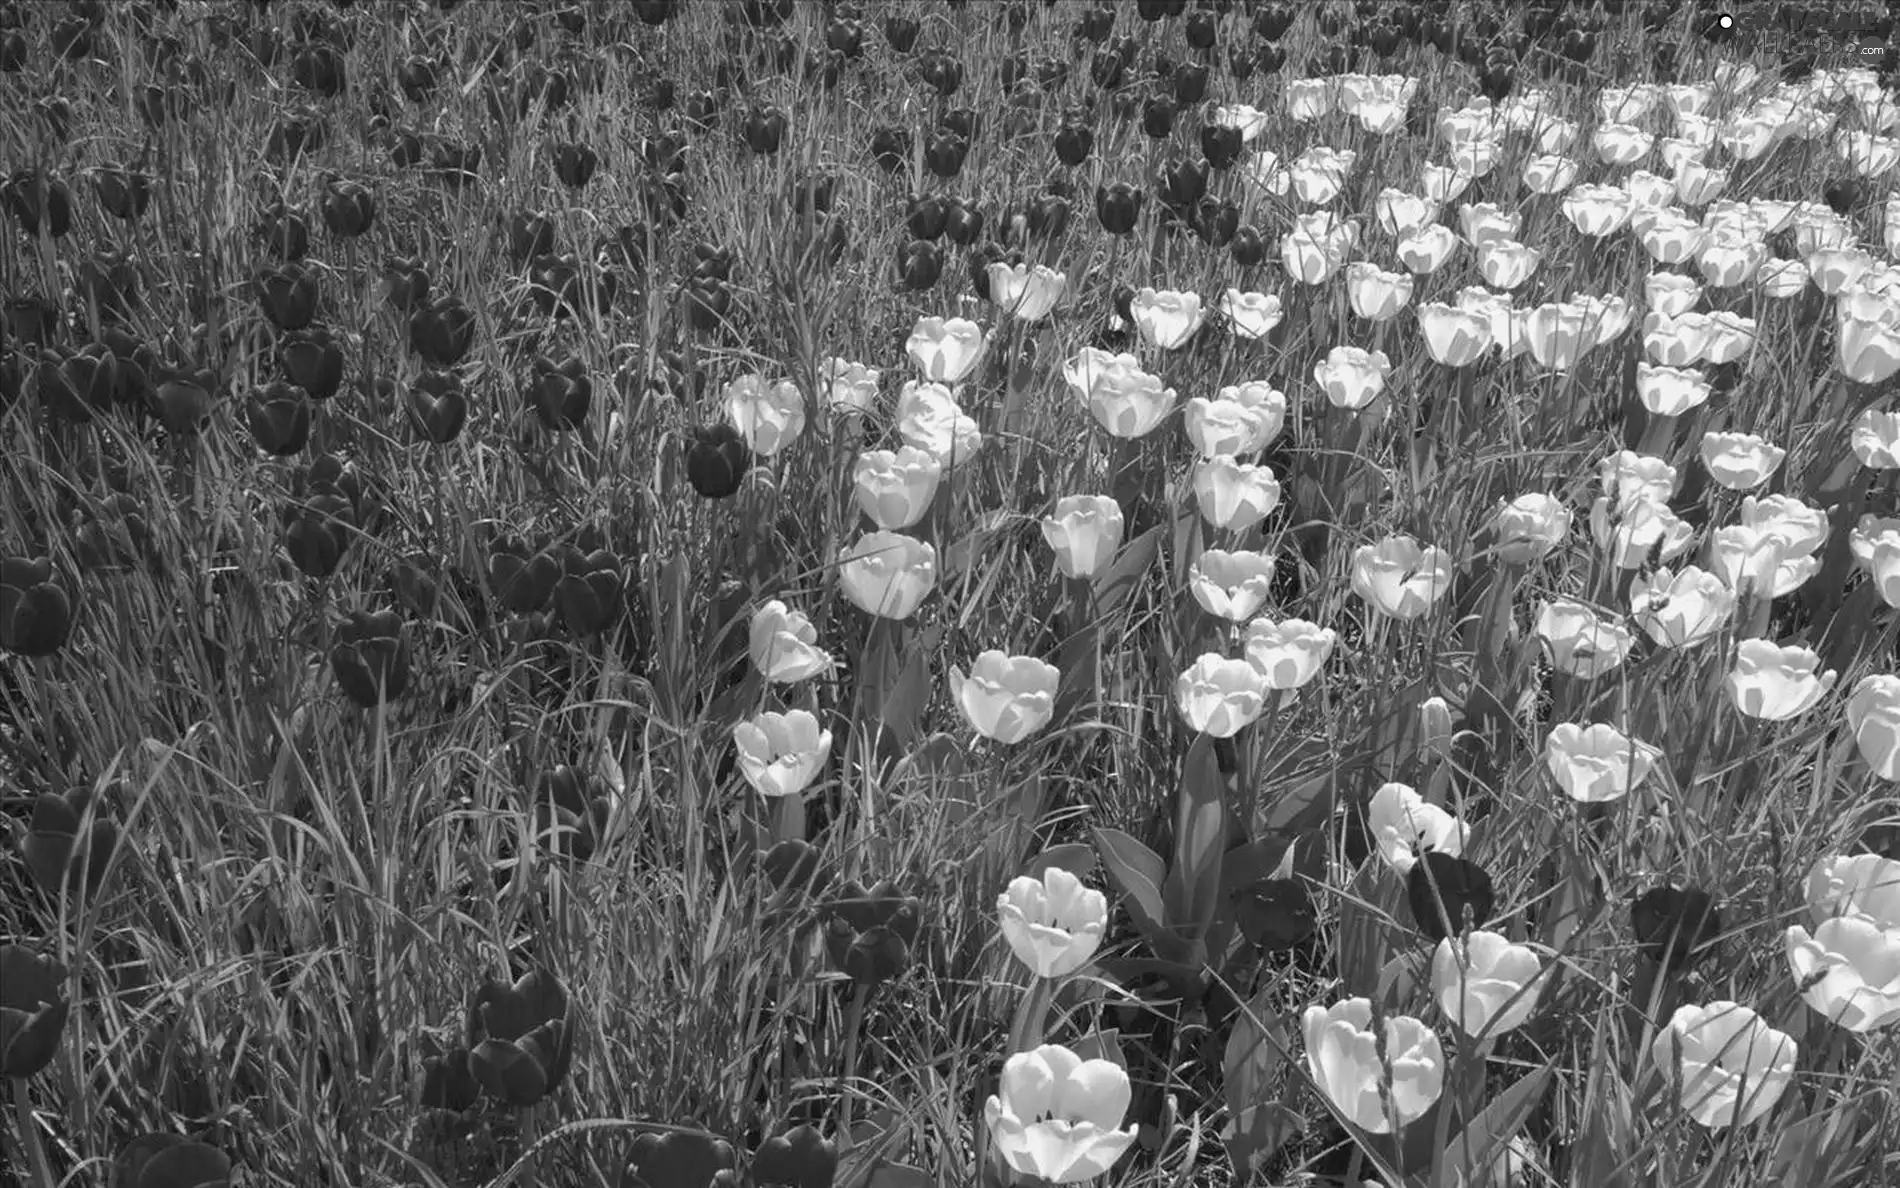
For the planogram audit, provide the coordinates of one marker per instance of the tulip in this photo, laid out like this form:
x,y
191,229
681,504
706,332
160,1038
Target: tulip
x,y
849,385
1679,609
784,644
1866,886
1776,683
1130,403
441,331
1598,763
312,359
1454,337
1529,527
56,855
895,489
1400,578
1006,698
1425,250
1352,377
945,349
1053,923
1740,461
560,392
868,936
521,1037
1027,293
1717,1052
1375,294
770,417
1670,391
1485,984
1250,315
780,754
1289,653
349,208
33,1010
931,422
1628,476
1166,318
1873,717
1234,495
1377,1088
1581,642
1056,1116
1232,585
371,658
887,574
1400,213
1849,971
1218,696
1085,531
717,461
1228,425
1875,439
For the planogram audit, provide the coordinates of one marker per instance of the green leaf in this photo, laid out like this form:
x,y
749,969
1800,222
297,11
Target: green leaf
x,y
900,1175
1247,864
1137,873
1193,885
1365,930
1484,1137
1079,661
1102,1045
1259,1120
1078,858
1124,574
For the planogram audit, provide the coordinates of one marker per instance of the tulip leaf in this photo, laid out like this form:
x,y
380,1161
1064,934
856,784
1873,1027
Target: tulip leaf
x,y
1193,885
900,1175
1102,1045
1078,858
1400,979
1484,1137
1124,573
1247,864
1259,1120
1137,873
1365,931
1079,661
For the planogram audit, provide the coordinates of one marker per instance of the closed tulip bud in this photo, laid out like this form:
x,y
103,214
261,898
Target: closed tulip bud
x,y
1053,923
36,612
442,331
784,645
895,488
1776,683
1485,984
769,416
1377,1087
313,360
764,129
349,209
1404,826
1716,1053
1073,144
279,418
1289,653
1006,698
780,754
33,1010
1581,642
945,350
717,461
945,152
1059,1117
1218,696
288,296
437,406
371,658
1117,207
1400,578
123,193
1232,585
1873,717
1085,531
521,1037
887,574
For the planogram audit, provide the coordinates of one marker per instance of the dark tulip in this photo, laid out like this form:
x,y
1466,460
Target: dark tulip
x,y
573,20
370,658
455,164
960,120
924,215
1578,46
945,153
72,38
1248,249
285,232
941,72
662,94
349,209
407,283
919,265
184,403
1272,22
1202,30
1117,207
319,69
1384,40
31,319
711,262
794,864
1106,69
1157,117
448,1081
33,1004
1221,145
1048,216
109,282
978,264
58,858
1216,221
962,221
560,392
1095,24
36,200
1190,83
122,193
1496,81
312,360
117,537
1275,914
1011,71
802,1158
56,112
665,152
655,12
1842,195
765,14
890,148
701,108
437,406
765,129
679,1157
1448,895
1073,143
901,32
13,52
442,331
707,302
523,582
844,36
1184,183
530,234
717,461
574,164
288,295
279,418
405,150
1675,928
590,594
76,385
416,77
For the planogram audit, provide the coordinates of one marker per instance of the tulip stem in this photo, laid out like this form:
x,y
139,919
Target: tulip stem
x,y
848,1066
30,1136
1032,1013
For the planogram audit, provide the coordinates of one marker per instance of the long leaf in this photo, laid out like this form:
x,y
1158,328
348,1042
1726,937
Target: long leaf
x,y
1484,1137
1118,582
1193,885
1260,1120
1138,874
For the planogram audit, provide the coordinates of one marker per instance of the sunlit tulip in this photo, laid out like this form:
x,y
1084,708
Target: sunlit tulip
x,y
1549,173
1057,1115
1485,222
894,488
1598,211
1506,263
1166,318
1849,969
1265,171
780,754
1868,350
1028,293
1529,527
1782,279
1250,315
1400,578
1307,99
1310,259
1425,250
1759,560
930,421
1875,542
1320,172
784,644
1717,1053
1404,825
1875,439
849,385
887,573
1233,585
1004,697
1873,716
1680,609
1264,399
1628,476
1670,391
1454,337
1861,885
1218,696
1130,403
1740,461
1234,495
1507,322
769,416
1581,642
1835,269
1776,683
1288,653
1250,120
1679,341
1697,182
945,349
1485,984
1626,104
1400,213
1631,531
1053,924
1352,377
1729,337
1375,294
1558,333
1669,236
1379,1094
1084,531
1227,426
1597,763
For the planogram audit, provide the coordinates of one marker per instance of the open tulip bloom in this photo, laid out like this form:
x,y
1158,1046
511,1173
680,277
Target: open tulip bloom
x,y
1378,1091
1058,1116
1053,924
1728,1066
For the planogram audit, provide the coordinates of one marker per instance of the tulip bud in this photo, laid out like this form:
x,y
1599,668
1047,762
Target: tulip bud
x,y
33,1010
36,612
349,209
371,658
717,461
1380,1088
1729,1067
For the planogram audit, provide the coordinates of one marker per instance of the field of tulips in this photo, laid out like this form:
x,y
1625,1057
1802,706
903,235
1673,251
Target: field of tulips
x,y
687,593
